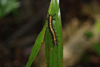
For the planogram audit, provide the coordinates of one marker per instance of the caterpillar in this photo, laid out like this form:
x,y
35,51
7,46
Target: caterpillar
x,y
52,31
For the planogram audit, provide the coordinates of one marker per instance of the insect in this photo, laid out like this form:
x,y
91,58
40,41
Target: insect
x,y
52,31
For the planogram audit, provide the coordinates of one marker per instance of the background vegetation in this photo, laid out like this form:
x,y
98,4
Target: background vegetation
x,y
22,20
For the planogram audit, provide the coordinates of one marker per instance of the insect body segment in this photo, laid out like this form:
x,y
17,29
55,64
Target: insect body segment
x,y
50,25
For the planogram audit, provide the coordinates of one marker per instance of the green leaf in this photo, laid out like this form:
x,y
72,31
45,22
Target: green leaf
x,y
36,46
54,53
97,48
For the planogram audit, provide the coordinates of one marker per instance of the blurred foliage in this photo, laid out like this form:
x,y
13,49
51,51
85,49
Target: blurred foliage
x,y
97,45
88,34
7,6
85,58
97,26
97,48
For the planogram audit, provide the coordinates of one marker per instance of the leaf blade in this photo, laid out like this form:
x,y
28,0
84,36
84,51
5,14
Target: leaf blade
x,y
54,54
36,46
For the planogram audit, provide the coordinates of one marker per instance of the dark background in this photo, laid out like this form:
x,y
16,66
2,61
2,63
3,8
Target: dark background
x,y
20,27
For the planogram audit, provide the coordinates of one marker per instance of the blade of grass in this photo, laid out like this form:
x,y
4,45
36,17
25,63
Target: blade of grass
x,y
54,54
36,46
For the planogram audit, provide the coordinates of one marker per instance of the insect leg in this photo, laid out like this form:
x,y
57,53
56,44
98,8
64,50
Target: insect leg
x,y
53,15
